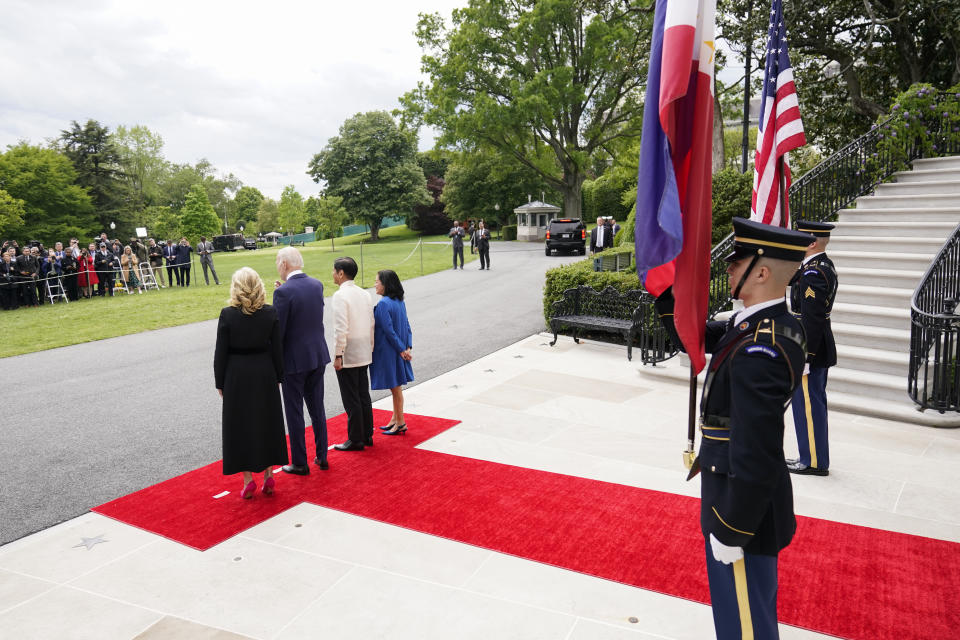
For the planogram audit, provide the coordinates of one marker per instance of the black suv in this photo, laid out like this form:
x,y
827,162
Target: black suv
x,y
567,234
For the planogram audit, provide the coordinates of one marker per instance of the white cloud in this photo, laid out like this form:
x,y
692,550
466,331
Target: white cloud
x,y
255,87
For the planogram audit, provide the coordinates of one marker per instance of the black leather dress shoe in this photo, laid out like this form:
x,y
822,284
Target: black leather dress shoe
x,y
296,470
803,470
323,464
368,442
349,446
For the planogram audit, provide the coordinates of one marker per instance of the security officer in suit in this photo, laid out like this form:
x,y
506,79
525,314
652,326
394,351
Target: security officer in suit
x,y
601,236
746,509
812,292
481,239
456,235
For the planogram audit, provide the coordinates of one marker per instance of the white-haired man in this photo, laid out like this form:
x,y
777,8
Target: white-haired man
x,y
299,304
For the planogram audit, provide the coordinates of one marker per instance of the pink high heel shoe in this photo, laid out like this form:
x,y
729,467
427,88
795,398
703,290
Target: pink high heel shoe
x,y
268,486
249,490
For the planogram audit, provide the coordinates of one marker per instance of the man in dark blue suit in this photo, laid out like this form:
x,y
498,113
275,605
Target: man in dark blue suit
x,y
170,255
298,300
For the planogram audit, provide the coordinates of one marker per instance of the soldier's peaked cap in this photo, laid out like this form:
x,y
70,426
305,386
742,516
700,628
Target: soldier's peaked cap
x,y
755,238
819,229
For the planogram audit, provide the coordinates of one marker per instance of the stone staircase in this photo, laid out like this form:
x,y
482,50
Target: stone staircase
x,y
881,249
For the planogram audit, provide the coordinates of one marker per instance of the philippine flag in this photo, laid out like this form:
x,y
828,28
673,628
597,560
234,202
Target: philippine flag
x,y
674,183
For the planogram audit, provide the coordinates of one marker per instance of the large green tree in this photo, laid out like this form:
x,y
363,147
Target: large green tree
x,y
95,157
246,203
181,178
267,216
198,217
53,206
11,212
520,75
488,185
852,57
372,165
140,155
327,215
290,212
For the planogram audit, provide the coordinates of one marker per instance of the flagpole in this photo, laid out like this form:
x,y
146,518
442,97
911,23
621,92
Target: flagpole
x,y
688,454
784,221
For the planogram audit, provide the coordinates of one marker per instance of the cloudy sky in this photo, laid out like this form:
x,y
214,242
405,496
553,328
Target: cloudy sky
x,y
255,87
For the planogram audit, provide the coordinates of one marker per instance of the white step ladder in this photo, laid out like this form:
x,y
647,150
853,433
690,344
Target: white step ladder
x,y
55,289
146,276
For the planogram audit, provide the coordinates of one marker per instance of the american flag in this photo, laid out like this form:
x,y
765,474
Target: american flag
x,y
781,129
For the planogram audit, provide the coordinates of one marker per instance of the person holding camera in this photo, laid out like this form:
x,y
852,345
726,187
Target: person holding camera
x,y
183,262
103,265
155,255
481,238
8,281
28,272
86,273
456,234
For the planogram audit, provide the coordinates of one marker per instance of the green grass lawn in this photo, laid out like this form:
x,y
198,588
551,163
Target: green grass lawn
x,y
49,326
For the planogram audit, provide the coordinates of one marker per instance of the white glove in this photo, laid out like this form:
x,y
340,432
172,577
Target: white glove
x,y
723,553
806,369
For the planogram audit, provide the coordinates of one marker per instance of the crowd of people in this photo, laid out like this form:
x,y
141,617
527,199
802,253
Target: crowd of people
x,y
264,352
33,274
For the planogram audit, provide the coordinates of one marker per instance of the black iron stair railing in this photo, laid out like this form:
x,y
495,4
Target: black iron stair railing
x,y
933,381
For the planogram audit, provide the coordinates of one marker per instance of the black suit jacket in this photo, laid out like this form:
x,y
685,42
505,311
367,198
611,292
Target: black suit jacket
x,y
481,238
607,239
746,495
812,291
457,234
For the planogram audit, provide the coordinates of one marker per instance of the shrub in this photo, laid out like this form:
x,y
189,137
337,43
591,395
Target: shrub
x,y
579,273
509,232
625,235
603,196
732,192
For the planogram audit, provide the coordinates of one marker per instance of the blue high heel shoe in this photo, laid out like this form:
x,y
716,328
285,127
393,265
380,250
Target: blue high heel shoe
x,y
397,430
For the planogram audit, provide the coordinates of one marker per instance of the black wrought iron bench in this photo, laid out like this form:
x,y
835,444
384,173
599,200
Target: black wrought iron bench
x,y
585,308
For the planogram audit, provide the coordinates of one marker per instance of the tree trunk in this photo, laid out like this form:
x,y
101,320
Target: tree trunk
x,y
572,200
375,230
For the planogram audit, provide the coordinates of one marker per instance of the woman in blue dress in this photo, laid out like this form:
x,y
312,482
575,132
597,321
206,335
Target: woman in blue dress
x,y
392,345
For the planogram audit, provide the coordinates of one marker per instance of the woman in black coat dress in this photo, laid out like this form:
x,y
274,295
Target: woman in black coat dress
x,y
248,367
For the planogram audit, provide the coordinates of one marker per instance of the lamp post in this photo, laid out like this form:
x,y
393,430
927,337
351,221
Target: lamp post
x,y
496,207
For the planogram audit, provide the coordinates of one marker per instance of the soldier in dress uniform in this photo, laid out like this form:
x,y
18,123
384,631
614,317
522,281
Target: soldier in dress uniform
x,y
812,291
746,508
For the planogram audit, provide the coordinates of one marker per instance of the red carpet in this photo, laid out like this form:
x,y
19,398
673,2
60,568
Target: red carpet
x,y
844,580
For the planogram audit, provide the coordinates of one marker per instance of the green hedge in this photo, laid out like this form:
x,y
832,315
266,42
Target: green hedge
x,y
509,231
603,196
578,273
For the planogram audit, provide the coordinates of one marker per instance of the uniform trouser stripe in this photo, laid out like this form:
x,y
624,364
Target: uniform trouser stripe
x,y
743,599
808,411
810,418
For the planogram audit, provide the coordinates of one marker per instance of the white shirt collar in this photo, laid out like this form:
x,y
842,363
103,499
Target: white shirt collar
x,y
806,260
752,309
293,273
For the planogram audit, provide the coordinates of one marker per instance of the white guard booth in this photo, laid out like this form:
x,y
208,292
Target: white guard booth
x,y
533,219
